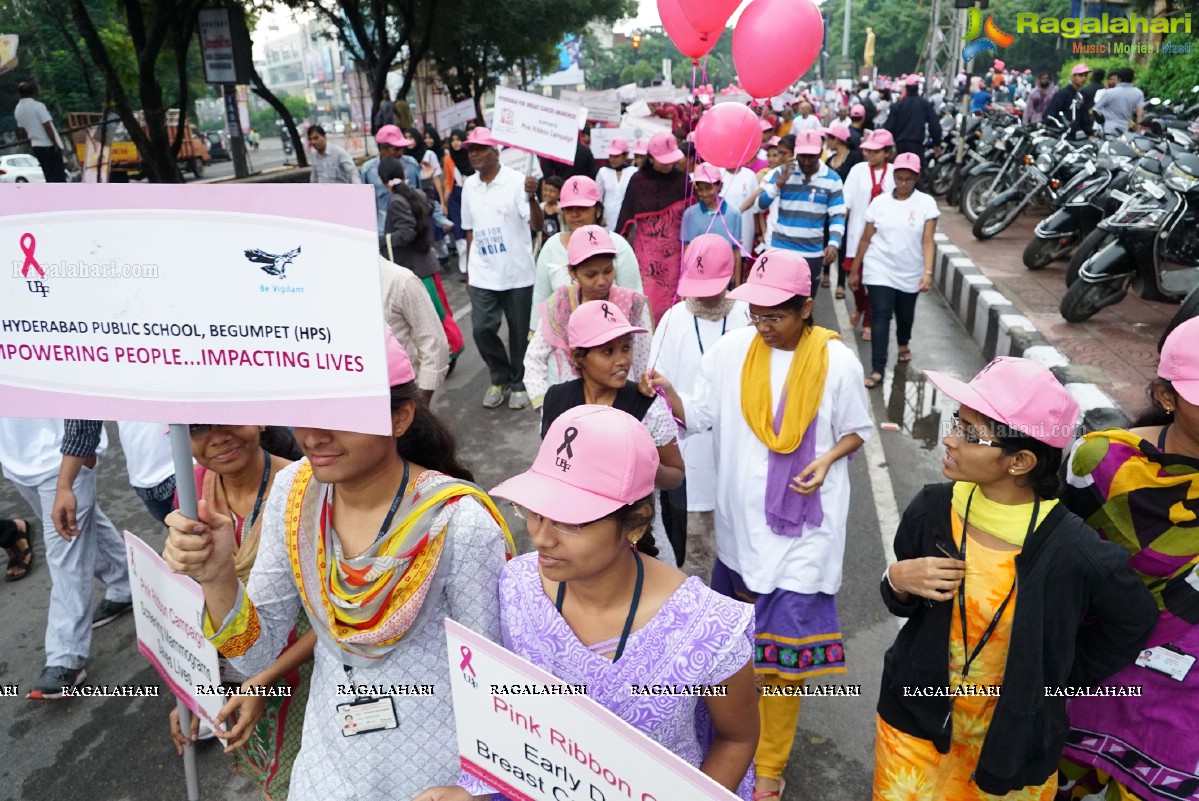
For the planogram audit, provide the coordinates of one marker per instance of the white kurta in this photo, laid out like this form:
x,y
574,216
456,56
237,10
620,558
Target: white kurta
x,y
857,197
738,186
744,542
676,352
423,751
611,190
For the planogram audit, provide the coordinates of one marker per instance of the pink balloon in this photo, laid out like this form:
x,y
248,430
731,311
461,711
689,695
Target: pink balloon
x,y
709,16
769,57
690,42
728,135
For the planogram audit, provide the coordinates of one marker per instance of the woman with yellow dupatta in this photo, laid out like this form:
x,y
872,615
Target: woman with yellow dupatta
x,y
378,539
786,403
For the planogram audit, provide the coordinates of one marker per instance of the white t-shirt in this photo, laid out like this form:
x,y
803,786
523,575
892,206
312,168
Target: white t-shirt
x,y
147,449
736,189
808,123
895,257
611,191
31,114
29,449
856,193
501,255
430,165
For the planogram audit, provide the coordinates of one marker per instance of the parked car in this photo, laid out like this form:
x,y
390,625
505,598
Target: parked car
x,y
218,146
20,169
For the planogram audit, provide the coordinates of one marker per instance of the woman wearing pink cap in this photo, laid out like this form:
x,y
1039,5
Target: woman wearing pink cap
x,y
592,268
588,608
613,181
580,204
687,331
1137,488
843,157
640,152
652,217
602,350
864,183
786,406
1002,586
894,261
710,214
377,539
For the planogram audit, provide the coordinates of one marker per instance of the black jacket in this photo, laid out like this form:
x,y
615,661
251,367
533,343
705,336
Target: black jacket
x,y
913,120
1081,615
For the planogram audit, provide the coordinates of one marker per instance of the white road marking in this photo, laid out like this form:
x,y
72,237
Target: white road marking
x,y
458,315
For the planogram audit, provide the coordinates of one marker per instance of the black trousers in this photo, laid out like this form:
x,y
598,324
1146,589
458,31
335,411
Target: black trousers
x,y
488,308
674,520
50,159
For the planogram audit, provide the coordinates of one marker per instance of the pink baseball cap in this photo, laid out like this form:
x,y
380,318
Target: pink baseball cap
x,y
908,161
766,125
598,322
773,141
593,461
618,147
707,174
579,191
1020,394
480,137
911,80
664,148
776,277
809,143
707,267
399,366
641,147
392,135
878,140
858,111
840,132
1080,69
1179,363
588,241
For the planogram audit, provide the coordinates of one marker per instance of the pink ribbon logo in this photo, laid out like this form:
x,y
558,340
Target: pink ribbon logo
x,y
28,246
466,657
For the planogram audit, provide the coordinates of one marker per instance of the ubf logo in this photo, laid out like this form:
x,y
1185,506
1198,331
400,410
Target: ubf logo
x,y
983,36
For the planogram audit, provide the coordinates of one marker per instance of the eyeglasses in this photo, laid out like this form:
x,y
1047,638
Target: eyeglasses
x,y
971,438
534,519
768,320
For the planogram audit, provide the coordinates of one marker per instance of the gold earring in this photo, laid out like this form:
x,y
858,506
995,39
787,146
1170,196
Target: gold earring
x,y
1169,410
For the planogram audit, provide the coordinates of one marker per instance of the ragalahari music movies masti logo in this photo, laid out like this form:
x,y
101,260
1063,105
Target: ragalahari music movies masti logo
x,y
273,263
36,285
983,36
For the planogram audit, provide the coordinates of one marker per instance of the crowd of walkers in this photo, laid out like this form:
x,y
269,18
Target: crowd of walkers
x,y
677,366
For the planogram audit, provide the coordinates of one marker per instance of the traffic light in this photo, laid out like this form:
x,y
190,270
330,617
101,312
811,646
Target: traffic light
x,y
636,41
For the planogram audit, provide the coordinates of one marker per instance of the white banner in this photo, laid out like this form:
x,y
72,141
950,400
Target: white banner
x,y
537,124
455,116
216,46
193,304
602,137
168,613
554,744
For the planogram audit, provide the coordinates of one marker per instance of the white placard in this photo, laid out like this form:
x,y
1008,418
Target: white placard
x,y
537,124
216,45
455,116
602,137
554,747
168,613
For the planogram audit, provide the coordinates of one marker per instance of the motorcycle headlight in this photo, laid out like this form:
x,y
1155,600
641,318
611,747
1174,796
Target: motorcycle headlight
x,y
1044,163
1178,180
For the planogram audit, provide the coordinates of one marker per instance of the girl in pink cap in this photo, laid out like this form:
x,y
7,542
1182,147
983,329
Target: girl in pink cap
x,y
580,204
591,256
377,539
588,608
1138,489
864,183
785,403
1012,603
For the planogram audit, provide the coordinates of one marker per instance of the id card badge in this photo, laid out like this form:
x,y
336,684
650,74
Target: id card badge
x,y
366,715
1168,660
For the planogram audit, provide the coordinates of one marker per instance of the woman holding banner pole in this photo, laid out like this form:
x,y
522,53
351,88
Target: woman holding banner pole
x,y
378,539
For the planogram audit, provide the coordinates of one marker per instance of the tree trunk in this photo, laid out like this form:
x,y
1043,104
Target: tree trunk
x,y
289,122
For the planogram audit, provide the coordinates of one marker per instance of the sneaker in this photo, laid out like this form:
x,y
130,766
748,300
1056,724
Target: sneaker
x,y
55,682
493,398
518,400
109,611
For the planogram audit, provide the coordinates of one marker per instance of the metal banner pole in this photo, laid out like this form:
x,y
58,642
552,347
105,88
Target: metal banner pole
x,y
185,486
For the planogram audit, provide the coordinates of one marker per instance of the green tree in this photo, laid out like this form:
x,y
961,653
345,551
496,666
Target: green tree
x,y
607,69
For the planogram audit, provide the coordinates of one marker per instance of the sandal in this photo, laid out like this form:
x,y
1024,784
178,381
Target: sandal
x,y
824,282
760,795
21,559
905,355
840,294
873,380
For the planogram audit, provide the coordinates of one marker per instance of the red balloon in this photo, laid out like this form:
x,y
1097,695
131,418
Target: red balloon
x,y
709,16
728,135
769,57
692,43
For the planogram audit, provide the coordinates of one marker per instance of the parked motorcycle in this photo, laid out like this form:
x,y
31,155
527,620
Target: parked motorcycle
x,y
1155,244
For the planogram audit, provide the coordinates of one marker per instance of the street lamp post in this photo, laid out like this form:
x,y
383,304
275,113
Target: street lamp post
x,y
845,32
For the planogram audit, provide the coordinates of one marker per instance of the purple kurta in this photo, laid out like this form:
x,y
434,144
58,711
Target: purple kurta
x,y
698,637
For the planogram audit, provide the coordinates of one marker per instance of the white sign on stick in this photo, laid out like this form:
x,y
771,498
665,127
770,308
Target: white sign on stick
x,y
168,613
601,138
554,747
216,44
455,116
537,124
193,304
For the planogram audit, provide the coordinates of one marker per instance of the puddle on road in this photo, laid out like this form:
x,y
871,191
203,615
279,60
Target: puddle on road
x,y
915,407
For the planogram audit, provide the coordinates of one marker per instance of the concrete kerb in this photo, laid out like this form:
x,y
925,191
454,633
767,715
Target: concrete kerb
x,y
999,329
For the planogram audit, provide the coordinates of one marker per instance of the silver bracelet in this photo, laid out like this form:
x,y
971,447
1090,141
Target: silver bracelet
x,y
887,577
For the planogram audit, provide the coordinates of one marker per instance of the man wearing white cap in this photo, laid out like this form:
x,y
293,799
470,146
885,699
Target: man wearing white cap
x,y
612,180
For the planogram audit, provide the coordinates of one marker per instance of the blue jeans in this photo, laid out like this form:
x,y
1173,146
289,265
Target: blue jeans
x,y
159,501
887,302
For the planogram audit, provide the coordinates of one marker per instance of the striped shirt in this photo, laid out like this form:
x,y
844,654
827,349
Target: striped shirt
x,y
805,205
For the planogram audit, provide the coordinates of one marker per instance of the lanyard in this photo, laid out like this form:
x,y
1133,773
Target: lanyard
x,y
248,523
628,623
723,327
